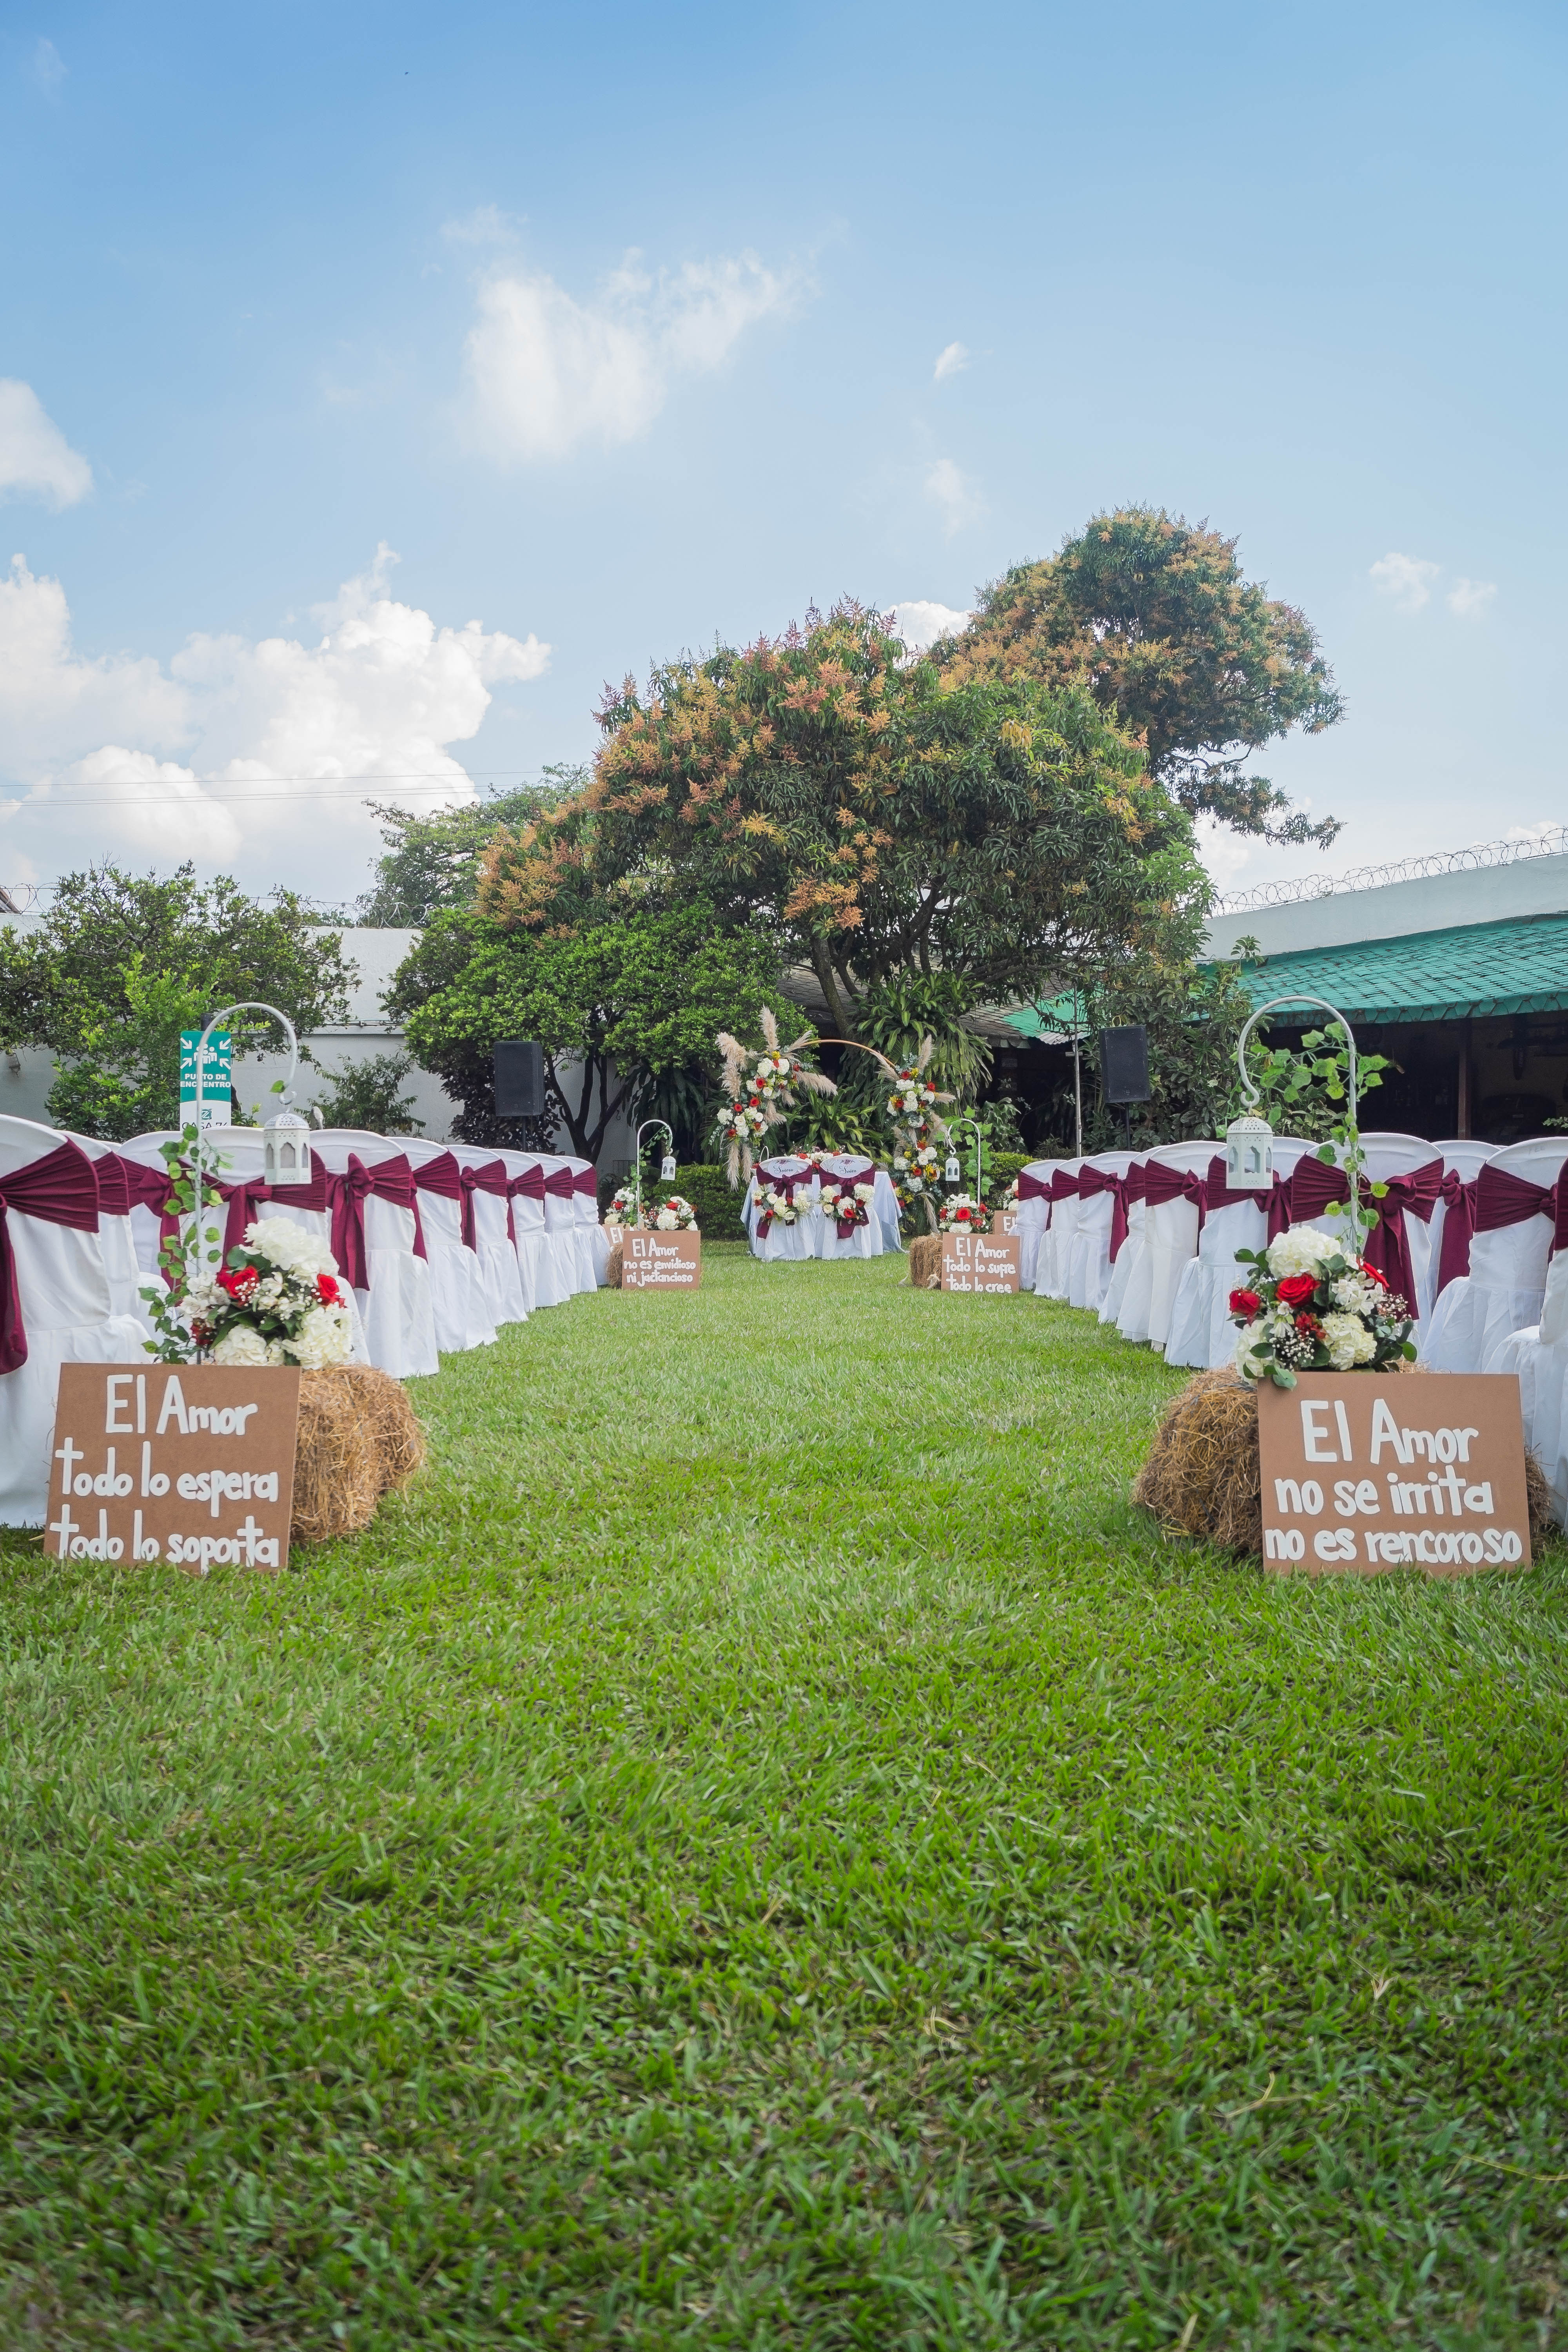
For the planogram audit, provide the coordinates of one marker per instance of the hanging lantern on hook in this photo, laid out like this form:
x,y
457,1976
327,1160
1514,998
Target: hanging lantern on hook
x,y
666,1169
952,1172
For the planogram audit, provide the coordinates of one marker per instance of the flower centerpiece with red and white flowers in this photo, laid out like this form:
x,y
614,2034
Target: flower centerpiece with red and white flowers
x,y
848,1205
674,1214
622,1208
916,1174
1009,1200
761,1088
960,1213
1308,1306
277,1300
774,1207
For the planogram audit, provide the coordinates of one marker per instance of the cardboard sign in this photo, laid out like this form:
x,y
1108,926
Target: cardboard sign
x,y
661,1261
981,1262
1362,1473
188,1464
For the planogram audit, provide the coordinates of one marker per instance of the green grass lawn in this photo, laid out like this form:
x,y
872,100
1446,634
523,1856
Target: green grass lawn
x,y
764,1846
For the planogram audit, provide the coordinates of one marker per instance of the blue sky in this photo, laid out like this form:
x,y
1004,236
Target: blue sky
x,y
379,382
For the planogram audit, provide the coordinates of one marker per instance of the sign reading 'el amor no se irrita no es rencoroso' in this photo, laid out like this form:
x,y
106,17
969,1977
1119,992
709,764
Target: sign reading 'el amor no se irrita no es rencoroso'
x,y
1362,1473
188,1464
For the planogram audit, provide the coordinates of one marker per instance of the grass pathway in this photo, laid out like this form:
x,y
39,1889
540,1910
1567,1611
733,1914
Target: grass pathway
x,y
766,1848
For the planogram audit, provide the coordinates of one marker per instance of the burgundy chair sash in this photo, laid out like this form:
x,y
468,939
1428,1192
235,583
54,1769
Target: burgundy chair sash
x,y
389,1180
60,1189
587,1182
1033,1187
152,1189
1502,1199
1459,1228
1386,1249
1274,1204
788,1186
114,1191
1063,1186
248,1199
529,1186
561,1184
492,1179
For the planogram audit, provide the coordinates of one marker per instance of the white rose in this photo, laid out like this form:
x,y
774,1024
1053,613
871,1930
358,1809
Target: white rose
x,y
666,1221
1251,1342
241,1345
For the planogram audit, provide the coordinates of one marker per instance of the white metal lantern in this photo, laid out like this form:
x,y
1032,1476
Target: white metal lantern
x,y
286,1150
1249,1155
1249,1139
666,1169
952,1172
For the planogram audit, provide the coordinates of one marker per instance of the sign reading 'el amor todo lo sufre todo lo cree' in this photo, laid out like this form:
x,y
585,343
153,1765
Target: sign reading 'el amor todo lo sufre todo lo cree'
x,y
188,1464
980,1262
1362,1473
661,1261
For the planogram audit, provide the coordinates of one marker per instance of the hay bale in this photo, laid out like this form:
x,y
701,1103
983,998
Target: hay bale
x,y
391,1421
925,1262
616,1262
337,1475
1203,1477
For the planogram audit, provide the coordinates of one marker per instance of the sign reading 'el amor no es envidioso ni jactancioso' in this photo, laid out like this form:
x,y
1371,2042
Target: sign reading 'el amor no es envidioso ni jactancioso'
x,y
190,1464
1362,1473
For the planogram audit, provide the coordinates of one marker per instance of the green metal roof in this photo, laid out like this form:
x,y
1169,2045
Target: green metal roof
x,y
1484,969
1051,1017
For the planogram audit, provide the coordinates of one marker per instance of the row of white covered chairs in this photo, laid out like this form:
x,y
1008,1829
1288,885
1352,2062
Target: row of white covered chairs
x,y
1476,1237
440,1244
815,1232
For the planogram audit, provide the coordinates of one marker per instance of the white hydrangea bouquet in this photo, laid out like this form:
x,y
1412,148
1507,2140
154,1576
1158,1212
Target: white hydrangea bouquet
x,y
1312,1306
674,1214
279,1300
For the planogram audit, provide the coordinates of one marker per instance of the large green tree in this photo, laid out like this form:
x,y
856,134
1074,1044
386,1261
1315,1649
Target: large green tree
x,y
875,817
120,963
433,861
631,995
1153,615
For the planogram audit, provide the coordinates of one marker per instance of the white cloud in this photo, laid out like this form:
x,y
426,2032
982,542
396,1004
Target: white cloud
x,y
1407,579
374,701
919,623
1468,596
486,225
953,493
953,360
49,67
35,456
547,372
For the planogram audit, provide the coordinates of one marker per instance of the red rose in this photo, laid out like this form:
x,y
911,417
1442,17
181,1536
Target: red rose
x,y
1308,1326
326,1291
1373,1274
239,1282
1245,1302
1297,1288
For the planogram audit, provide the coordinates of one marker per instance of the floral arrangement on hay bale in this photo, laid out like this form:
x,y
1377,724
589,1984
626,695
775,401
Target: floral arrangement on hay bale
x,y
960,1213
1313,1307
673,1214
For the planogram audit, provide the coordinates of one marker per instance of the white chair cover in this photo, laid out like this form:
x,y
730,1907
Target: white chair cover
x,y
1538,1356
885,1211
119,1244
1505,1288
1394,1155
1169,1246
869,1240
498,1271
1089,1258
395,1305
1129,1258
457,1282
1053,1266
593,1243
533,1262
1201,1332
781,1241
1034,1217
1465,1159
62,1286
573,1269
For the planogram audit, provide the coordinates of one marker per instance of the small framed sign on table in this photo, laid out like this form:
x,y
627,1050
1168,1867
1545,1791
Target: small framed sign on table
x,y
656,1261
988,1262
1362,1473
192,1464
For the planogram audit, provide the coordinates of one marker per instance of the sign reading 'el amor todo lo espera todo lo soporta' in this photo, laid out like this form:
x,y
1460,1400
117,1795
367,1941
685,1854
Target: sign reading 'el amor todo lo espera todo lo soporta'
x,y
1362,1473
188,1464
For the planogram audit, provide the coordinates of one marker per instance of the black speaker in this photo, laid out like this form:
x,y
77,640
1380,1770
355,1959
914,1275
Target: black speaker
x,y
520,1079
1124,1064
